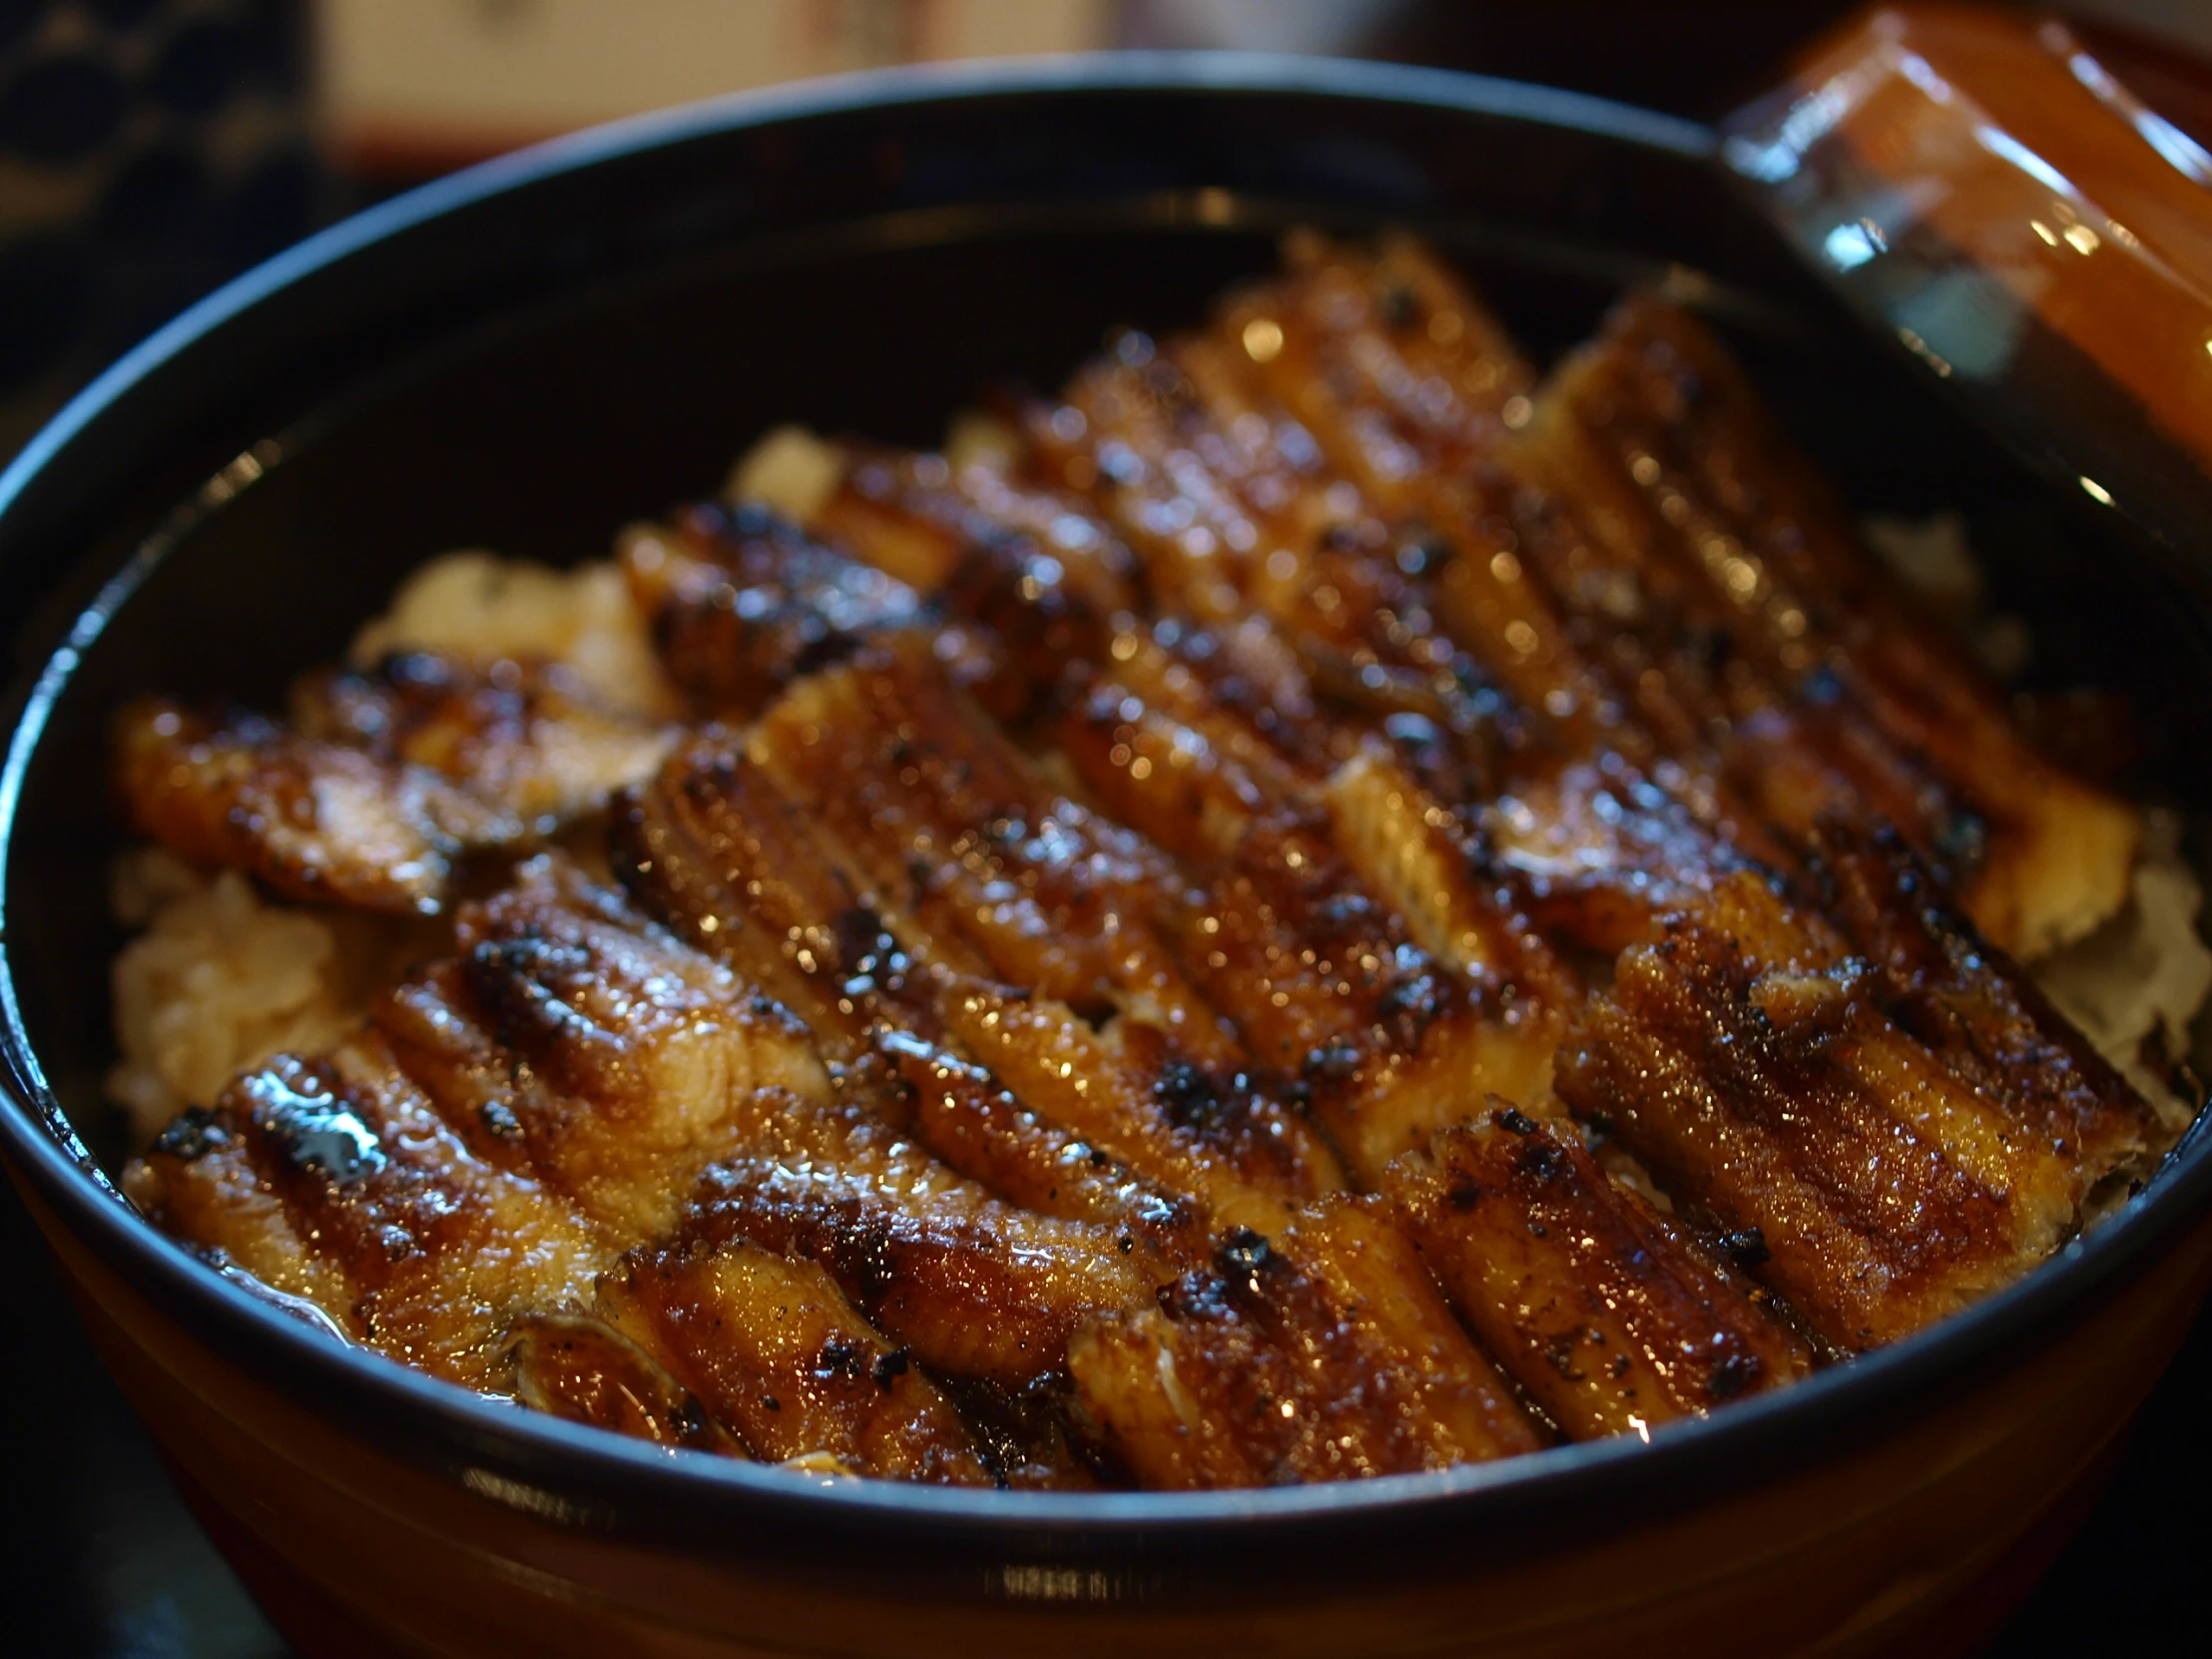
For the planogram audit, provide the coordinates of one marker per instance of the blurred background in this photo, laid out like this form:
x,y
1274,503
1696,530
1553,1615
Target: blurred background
x,y
151,149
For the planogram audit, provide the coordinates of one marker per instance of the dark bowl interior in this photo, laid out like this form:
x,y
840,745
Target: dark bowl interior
x,y
527,368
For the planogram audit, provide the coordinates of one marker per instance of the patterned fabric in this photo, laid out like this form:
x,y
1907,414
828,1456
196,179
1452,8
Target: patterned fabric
x,y
149,150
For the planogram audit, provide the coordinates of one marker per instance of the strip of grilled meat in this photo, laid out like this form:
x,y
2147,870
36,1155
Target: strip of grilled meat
x,y
1325,1356
572,1041
1773,1082
312,820
337,1181
506,1123
384,779
1589,1298
774,1349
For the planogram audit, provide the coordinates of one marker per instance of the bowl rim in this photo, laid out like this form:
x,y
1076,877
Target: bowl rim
x,y
503,1452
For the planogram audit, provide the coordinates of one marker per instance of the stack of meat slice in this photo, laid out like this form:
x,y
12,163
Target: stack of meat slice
x,y
1326,907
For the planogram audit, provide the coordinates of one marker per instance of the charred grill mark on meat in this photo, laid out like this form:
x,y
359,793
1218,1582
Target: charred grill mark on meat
x,y
528,739
771,1348
369,1205
1326,1357
1910,731
1197,1132
942,818
962,1114
741,604
384,779
1760,1072
975,1285
1973,1009
313,820
712,848
573,1039
1591,1301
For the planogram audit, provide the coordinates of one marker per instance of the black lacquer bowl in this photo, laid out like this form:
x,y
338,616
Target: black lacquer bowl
x,y
529,355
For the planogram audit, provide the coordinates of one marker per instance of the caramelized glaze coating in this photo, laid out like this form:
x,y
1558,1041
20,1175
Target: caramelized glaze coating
x,y
720,854
1593,1303
1328,1355
1973,1009
528,739
740,603
361,1199
572,1039
931,523
1041,575
507,1121
1068,973
972,1285
1159,1088
932,813
1749,1064
1204,1133
578,1367
384,779
1675,436
313,820
775,1352
962,1113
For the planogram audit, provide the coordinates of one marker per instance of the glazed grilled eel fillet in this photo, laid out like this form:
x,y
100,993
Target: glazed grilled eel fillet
x,y
1176,950
493,1170
385,779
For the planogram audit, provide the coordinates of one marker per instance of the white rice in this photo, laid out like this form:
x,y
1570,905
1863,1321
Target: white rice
x,y
481,608
790,469
217,981
1931,556
2138,982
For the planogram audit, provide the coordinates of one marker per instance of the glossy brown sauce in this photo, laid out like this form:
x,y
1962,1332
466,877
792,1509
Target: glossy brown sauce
x,y
1338,907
